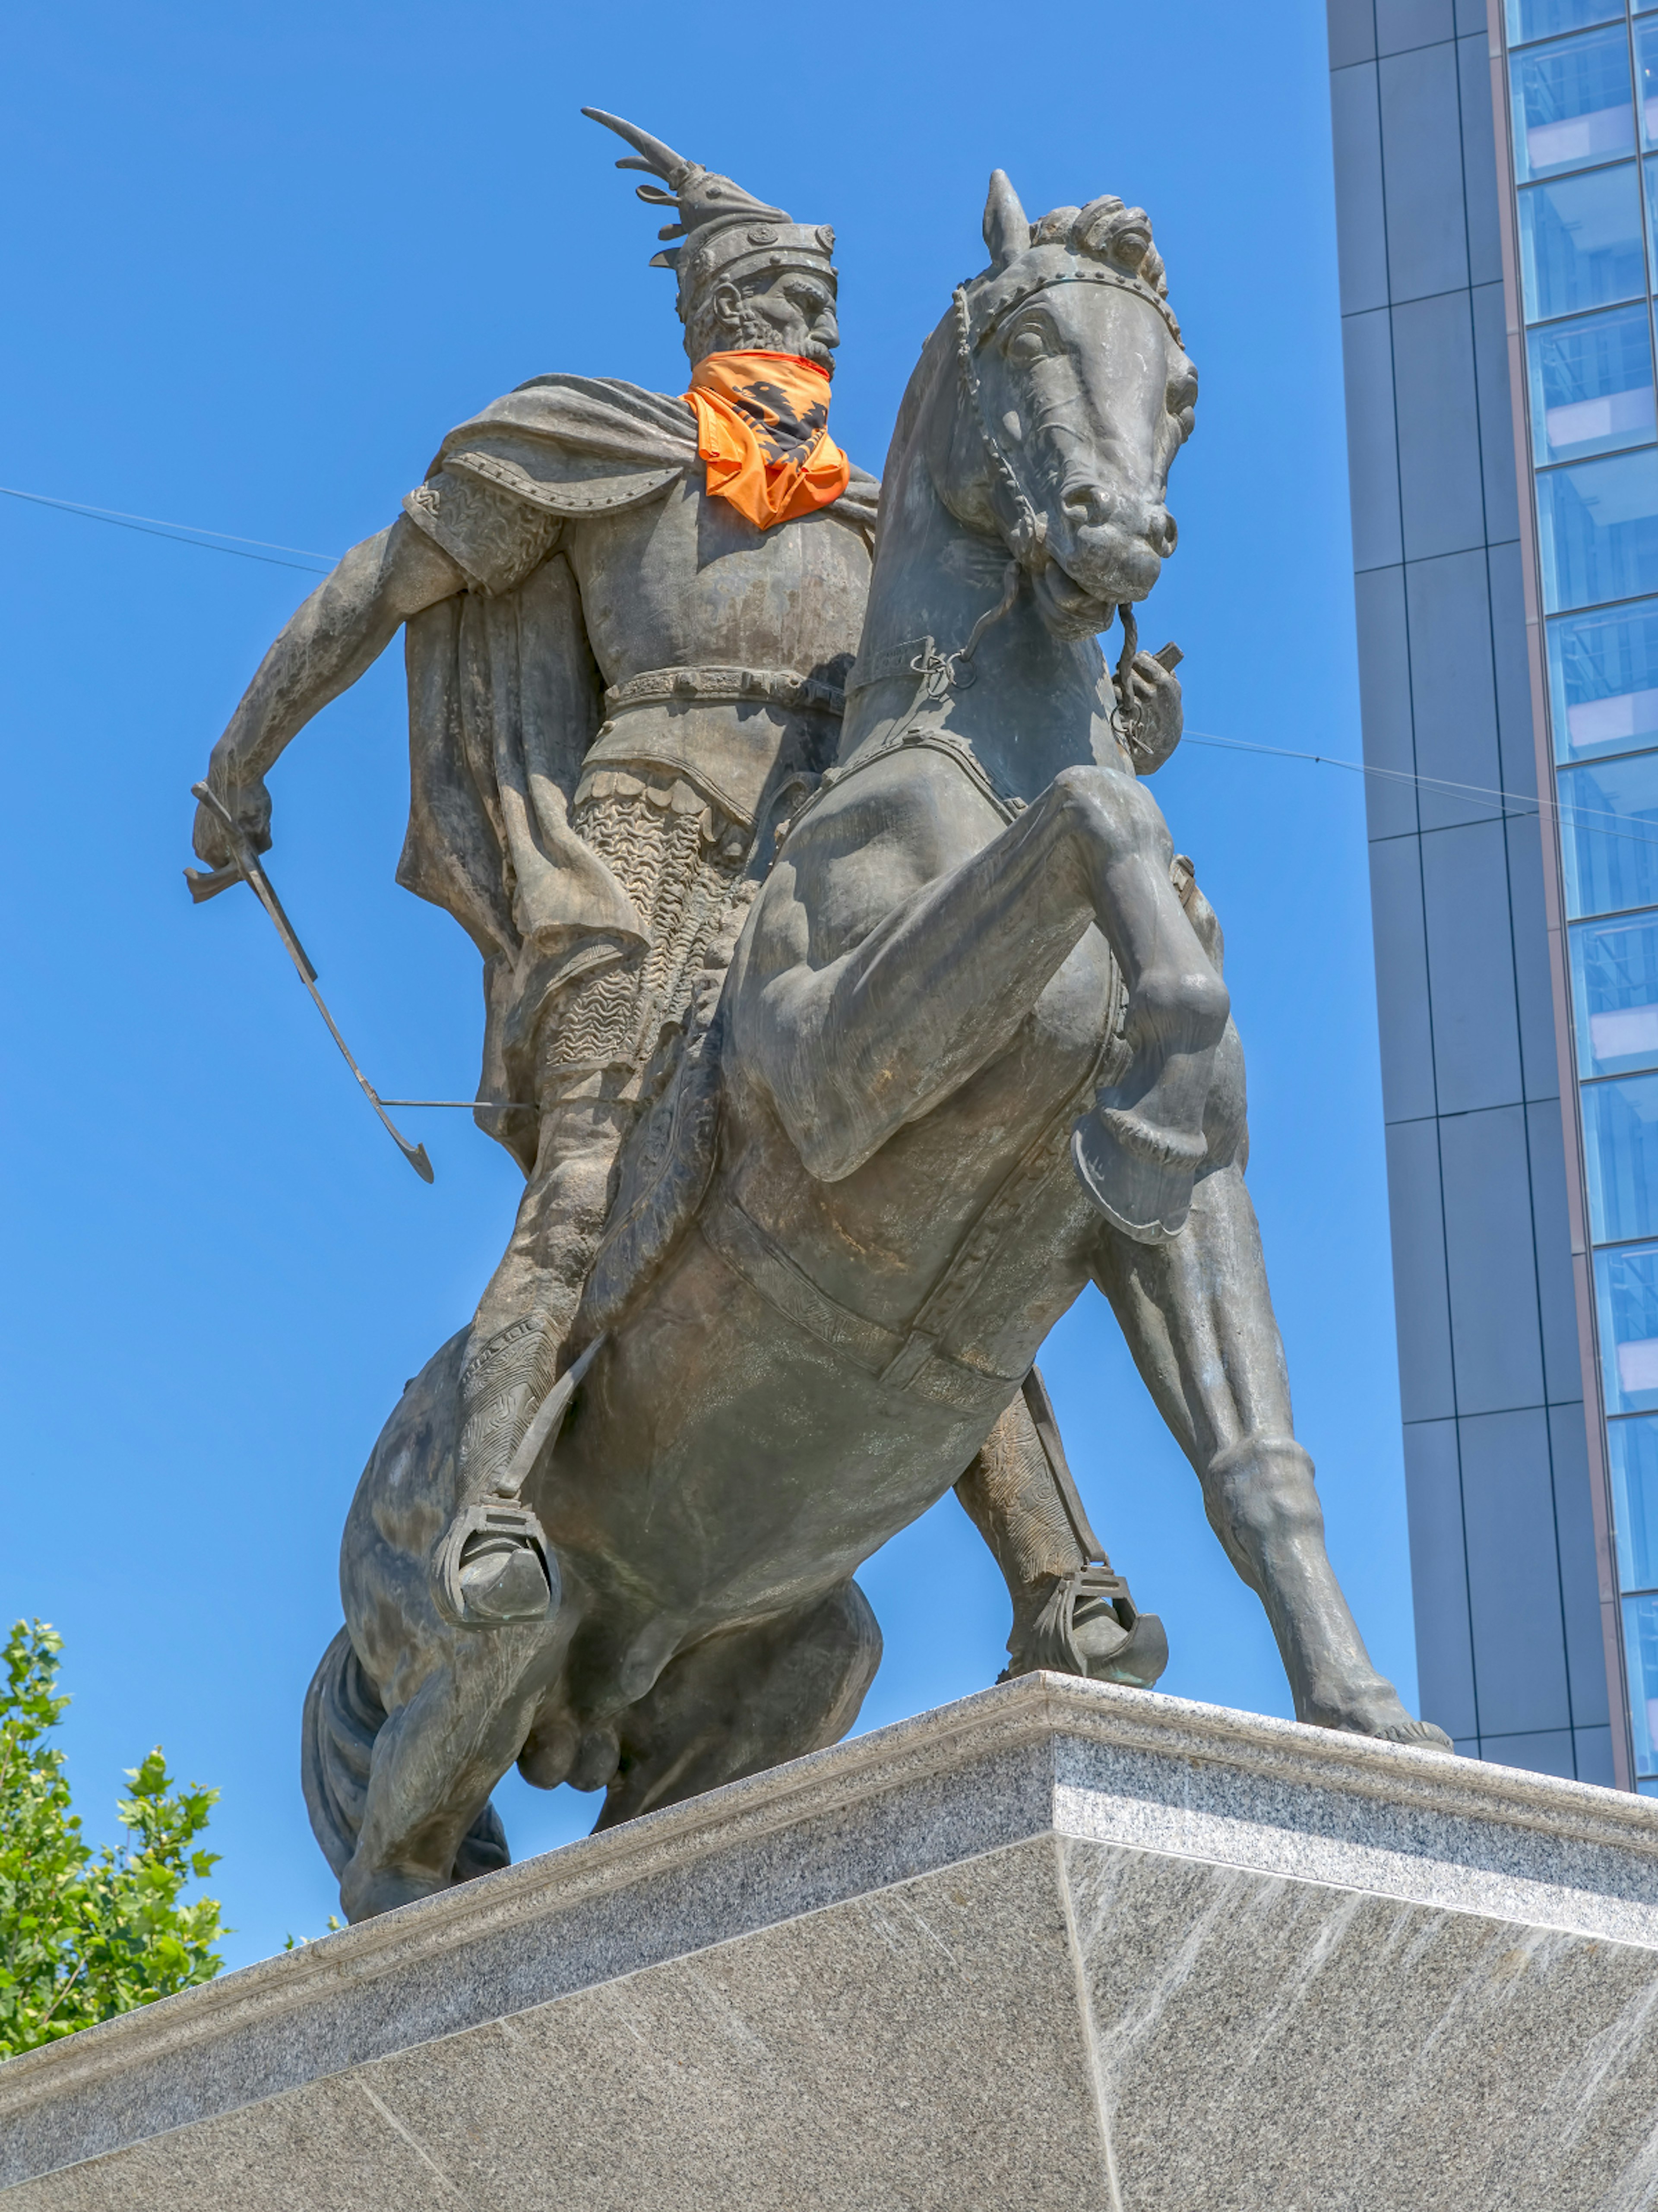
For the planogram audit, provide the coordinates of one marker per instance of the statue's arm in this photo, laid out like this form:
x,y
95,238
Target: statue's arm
x,y
345,624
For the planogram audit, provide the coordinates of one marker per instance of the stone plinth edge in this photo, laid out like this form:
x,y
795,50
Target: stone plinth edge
x,y
1035,1709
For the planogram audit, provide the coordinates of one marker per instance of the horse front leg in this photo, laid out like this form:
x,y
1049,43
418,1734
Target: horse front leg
x,y
1199,1319
950,956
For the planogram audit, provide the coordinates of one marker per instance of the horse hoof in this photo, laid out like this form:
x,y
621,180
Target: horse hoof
x,y
1422,1735
1138,1176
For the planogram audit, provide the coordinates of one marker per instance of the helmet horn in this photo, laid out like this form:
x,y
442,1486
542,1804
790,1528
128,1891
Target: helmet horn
x,y
659,160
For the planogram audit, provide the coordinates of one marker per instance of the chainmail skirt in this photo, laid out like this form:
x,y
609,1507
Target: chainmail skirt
x,y
679,859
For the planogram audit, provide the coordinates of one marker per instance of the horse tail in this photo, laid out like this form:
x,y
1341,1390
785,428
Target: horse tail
x,y
343,1715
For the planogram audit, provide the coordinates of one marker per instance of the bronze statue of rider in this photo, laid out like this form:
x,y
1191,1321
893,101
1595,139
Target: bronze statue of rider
x,y
629,619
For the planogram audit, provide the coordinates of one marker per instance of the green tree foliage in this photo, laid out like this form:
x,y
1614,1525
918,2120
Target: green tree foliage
x,y
85,1935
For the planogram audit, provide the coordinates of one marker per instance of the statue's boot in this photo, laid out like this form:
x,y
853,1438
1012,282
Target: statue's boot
x,y
1071,1614
492,1564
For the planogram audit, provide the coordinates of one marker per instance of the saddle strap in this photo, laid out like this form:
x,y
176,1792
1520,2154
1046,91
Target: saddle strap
x,y
936,741
910,1360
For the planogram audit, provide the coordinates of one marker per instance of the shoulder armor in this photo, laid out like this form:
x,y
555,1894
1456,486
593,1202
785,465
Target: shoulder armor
x,y
592,493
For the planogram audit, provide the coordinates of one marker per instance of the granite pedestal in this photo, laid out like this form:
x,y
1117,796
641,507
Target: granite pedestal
x,y
1060,1945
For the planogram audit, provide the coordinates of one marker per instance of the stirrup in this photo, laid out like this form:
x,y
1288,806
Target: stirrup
x,y
492,1564
1139,1177
495,1566
1137,1660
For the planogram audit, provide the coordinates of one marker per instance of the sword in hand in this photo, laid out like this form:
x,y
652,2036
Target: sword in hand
x,y
244,866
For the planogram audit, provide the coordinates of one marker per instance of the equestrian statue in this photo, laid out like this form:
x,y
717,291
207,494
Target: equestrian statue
x,y
848,1009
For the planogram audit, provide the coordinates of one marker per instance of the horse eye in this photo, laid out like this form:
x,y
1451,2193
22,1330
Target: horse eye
x,y
1026,346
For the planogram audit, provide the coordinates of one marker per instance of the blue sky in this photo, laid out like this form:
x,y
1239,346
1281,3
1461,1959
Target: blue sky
x,y
268,258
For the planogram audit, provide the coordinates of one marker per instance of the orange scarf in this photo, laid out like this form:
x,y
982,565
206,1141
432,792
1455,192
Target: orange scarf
x,y
762,430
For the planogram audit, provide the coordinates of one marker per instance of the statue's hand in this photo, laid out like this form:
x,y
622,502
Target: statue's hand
x,y
249,802
1156,707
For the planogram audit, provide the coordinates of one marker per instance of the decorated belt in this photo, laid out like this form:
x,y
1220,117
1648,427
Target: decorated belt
x,y
775,687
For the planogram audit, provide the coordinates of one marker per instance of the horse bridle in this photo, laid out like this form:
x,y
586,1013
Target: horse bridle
x,y
1027,533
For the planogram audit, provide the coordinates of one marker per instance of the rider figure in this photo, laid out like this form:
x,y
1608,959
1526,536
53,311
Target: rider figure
x,y
629,618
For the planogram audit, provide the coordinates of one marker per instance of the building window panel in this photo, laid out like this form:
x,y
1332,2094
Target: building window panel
x,y
1571,104
1646,80
1620,1139
1599,529
1603,678
1580,241
1614,981
1609,834
1632,1447
1626,1293
1591,384
1548,19
1640,1649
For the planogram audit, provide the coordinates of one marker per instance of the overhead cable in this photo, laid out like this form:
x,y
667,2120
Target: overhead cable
x,y
182,533
1514,805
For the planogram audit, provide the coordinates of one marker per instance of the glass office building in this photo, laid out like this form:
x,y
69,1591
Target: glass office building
x,y
1496,189
1583,95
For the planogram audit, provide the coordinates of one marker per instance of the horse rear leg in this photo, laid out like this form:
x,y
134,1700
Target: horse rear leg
x,y
425,1821
344,1717
745,1700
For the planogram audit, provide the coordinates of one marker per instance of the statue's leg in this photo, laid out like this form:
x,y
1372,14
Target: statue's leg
x,y
1198,1316
1069,1608
745,1700
592,1041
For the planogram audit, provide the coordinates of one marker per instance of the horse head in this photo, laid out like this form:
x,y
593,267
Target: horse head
x,y
1074,394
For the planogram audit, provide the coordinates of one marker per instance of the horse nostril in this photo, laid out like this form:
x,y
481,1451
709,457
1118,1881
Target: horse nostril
x,y
1085,505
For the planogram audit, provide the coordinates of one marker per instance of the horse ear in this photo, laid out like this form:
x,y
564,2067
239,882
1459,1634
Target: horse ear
x,y
1007,231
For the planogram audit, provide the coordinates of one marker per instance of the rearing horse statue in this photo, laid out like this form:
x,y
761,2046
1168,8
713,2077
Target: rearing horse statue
x,y
972,1051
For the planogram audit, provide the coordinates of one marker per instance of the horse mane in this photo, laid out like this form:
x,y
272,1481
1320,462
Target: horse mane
x,y
922,378
1107,230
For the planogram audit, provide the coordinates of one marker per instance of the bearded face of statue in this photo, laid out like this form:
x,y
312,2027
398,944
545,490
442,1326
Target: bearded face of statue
x,y
790,312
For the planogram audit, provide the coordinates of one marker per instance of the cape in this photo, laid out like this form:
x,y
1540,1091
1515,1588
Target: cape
x,y
557,434
505,696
